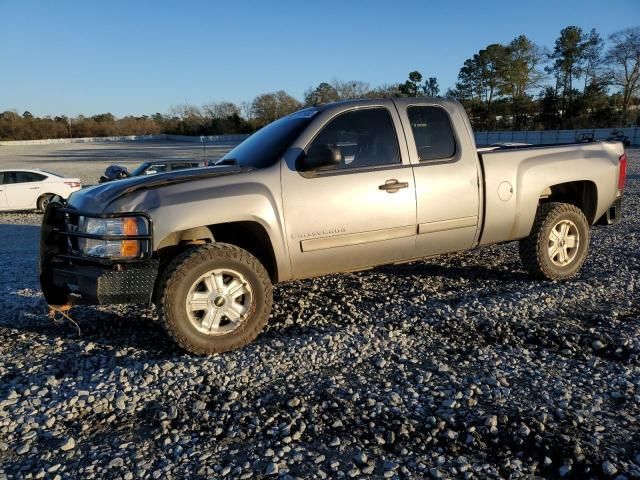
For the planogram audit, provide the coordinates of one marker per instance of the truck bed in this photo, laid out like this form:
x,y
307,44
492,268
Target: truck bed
x,y
514,179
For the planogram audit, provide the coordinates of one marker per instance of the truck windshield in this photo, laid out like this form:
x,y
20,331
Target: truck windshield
x,y
267,145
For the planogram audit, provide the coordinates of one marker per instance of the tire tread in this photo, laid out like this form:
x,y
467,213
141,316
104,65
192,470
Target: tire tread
x,y
529,250
175,272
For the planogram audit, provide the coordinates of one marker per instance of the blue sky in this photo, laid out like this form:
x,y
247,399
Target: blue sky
x,y
141,57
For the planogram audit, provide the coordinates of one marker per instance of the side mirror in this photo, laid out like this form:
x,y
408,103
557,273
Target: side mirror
x,y
320,155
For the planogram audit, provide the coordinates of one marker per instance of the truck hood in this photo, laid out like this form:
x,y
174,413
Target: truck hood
x,y
96,199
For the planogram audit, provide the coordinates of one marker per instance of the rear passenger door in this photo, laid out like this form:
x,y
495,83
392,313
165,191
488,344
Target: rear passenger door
x,y
445,167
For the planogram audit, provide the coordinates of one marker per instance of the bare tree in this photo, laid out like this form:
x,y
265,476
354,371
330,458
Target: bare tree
x,y
247,110
351,89
323,93
624,60
388,90
190,119
220,110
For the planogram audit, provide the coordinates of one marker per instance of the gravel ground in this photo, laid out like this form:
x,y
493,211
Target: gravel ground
x,y
457,367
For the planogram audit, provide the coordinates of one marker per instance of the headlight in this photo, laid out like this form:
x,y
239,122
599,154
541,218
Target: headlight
x,y
107,248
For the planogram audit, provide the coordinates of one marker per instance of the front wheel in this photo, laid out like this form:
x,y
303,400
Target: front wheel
x,y
558,244
214,298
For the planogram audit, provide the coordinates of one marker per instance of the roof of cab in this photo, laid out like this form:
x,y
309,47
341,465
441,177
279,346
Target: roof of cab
x,y
398,101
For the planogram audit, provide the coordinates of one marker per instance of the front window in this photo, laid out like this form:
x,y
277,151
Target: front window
x,y
363,138
267,145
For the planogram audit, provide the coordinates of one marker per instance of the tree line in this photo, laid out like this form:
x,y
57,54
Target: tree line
x,y
583,82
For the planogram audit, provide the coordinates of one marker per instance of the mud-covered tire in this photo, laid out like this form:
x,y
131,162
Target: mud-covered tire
x,y
179,277
43,201
535,249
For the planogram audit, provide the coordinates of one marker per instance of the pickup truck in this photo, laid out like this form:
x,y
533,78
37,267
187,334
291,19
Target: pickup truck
x,y
334,188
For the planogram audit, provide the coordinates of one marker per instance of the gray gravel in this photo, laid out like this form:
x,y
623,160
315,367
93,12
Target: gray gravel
x,y
457,367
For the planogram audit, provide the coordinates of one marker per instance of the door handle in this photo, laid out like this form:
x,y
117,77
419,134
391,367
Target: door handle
x,y
392,185
34,188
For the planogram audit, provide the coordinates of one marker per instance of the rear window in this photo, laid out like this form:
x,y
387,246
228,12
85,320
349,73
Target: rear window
x,y
22,177
432,133
30,177
181,166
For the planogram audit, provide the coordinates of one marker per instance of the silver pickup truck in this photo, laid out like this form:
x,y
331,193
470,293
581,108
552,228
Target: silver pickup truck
x,y
334,188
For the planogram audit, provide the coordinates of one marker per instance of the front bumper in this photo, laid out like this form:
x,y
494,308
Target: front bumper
x,y
70,279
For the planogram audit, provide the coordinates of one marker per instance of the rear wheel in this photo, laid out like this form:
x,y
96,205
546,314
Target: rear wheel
x,y
43,201
558,244
214,298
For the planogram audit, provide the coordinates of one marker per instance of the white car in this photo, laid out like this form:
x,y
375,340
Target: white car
x,y
22,189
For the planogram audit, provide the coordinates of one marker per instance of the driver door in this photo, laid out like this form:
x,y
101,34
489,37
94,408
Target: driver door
x,y
356,213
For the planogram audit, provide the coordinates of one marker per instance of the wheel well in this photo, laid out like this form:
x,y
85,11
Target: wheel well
x,y
42,195
583,194
252,237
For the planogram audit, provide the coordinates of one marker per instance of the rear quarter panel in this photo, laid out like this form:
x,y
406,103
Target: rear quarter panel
x,y
515,180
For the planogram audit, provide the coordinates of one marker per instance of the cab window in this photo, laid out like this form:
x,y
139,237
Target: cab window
x,y
156,168
363,138
182,166
432,133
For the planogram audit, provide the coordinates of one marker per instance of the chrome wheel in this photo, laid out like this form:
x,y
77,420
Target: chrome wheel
x,y
564,240
219,302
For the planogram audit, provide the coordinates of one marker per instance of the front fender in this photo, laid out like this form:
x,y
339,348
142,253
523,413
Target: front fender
x,y
253,197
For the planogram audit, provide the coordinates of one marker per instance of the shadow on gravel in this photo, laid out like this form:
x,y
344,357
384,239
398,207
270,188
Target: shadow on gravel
x,y
469,272
132,326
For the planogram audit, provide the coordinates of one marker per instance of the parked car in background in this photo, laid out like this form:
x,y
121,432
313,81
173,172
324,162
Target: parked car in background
x,y
117,172
619,136
32,189
586,138
114,172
